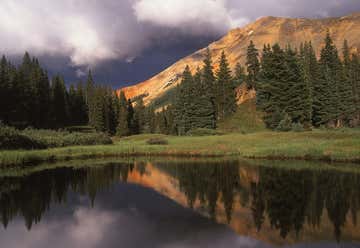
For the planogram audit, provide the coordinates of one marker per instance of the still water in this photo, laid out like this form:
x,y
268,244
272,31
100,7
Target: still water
x,y
179,204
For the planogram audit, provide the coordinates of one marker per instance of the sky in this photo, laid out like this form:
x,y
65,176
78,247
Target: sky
x,y
127,41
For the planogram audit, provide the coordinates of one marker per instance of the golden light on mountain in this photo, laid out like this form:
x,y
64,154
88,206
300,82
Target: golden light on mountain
x,y
266,30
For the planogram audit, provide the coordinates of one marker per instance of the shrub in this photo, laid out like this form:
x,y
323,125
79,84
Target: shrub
x,y
297,127
204,132
10,138
53,138
157,141
285,125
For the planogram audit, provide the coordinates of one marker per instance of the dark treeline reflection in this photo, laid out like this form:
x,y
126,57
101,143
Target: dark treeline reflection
x,y
31,196
288,199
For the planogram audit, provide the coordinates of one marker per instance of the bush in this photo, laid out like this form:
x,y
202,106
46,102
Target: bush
x,y
53,138
204,132
285,125
297,127
157,141
10,139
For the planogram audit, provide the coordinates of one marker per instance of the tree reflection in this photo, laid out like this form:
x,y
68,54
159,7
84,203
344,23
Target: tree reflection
x,y
289,198
285,199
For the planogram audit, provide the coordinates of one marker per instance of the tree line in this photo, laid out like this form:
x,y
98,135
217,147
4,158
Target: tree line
x,y
202,99
294,87
28,98
289,199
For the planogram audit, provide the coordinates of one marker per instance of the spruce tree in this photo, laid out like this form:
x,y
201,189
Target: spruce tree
x,y
240,76
327,108
225,90
139,116
59,102
183,103
207,107
355,80
123,126
90,98
72,105
98,109
81,109
253,65
347,103
5,91
130,118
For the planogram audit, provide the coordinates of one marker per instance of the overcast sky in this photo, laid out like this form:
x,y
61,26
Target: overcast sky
x,y
125,41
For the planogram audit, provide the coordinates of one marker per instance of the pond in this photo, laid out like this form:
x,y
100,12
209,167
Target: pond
x,y
175,203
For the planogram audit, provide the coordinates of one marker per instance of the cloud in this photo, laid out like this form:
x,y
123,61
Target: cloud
x,y
190,15
89,32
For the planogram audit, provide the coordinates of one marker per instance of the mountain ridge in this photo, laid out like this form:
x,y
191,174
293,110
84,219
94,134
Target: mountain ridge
x,y
265,30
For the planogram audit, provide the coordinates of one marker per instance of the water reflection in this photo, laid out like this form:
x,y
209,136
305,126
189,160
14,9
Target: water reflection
x,y
266,205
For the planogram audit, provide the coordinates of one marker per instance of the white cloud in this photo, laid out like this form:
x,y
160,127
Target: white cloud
x,y
91,31
185,14
87,32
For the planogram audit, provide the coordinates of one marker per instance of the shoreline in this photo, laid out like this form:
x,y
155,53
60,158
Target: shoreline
x,y
325,146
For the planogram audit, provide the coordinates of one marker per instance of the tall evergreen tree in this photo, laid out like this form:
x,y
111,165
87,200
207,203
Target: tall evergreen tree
x,y
90,98
355,80
130,118
327,106
123,126
347,103
5,91
240,76
139,116
253,64
59,102
207,106
183,103
225,90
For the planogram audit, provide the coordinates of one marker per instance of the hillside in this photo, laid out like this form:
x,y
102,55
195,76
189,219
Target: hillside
x,y
265,30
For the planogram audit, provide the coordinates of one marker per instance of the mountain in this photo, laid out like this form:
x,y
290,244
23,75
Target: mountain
x,y
266,30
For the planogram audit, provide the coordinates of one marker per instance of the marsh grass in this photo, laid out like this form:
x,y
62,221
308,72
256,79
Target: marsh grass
x,y
331,146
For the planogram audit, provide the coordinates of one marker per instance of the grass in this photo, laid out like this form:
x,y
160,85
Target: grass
x,y
325,145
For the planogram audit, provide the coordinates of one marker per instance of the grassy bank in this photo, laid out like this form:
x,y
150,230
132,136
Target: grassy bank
x,y
340,146
30,139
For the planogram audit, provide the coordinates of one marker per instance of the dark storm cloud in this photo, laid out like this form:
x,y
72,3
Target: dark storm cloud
x,y
92,33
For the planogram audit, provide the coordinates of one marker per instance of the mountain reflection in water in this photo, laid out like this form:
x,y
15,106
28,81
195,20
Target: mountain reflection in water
x,y
180,204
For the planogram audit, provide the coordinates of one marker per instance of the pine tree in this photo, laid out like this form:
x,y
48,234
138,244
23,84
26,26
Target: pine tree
x,y
355,80
347,103
72,105
81,109
327,99
5,91
183,103
207,107
311,74
139,116
130,118
98,109
297,94
59,102
89,97
123,126
240,76
225,90
44,100
253,64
